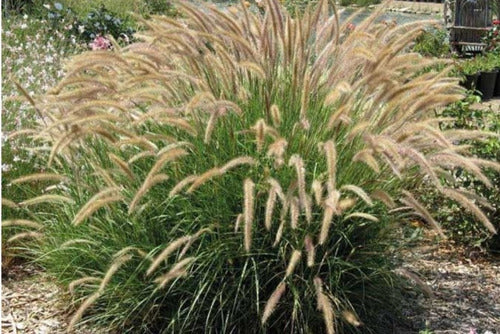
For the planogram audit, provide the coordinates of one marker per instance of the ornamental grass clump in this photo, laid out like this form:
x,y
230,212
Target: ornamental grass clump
x,y
237,172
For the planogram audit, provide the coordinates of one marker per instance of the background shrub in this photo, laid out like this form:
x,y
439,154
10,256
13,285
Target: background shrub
x,y
121,8
235,172
102,22
32,54
463,227
10,7
433,43
98,22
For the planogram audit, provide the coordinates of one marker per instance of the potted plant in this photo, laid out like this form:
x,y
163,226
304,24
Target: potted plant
x,y
470,70
492,41
496,60
488,77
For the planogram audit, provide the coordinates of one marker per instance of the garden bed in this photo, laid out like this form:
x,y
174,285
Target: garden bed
x,y
465,285
129,296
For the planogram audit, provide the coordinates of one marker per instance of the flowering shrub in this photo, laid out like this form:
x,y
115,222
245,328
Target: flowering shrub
x,y
32,55
100,43
101,22
492,38
98,23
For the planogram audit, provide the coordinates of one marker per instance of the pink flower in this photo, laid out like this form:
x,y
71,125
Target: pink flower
x,y
350,26
496,22
100,43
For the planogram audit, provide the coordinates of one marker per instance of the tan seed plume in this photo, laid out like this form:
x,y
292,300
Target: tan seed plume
x,y
358,191
100,200
294,212
117,263
324,305
122,165
77,241
351,318
179,186
244,160
294,260
470,206
237,224
10,204
178,270
24,235
83,280
277,188
273,301
361,215
47,199
384,197
421,211
209,174
81,310
275,116
177,243
271,201
331,160
40,177
277,151
325,224
192,240
297,161
248,211
21,222
317,189
346,204
310,249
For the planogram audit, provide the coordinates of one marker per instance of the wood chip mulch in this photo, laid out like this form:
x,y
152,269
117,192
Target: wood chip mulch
x,y
33,304
465,287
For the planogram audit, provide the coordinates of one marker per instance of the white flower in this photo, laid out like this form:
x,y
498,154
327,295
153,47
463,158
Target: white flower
x,y
24,26
81,29
47,6
6,167
25,16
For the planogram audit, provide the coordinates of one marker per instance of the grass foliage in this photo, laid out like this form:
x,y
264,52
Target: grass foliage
x,y
238,172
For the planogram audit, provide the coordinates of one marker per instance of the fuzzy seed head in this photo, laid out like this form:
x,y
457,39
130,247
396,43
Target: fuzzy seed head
x,y
248,211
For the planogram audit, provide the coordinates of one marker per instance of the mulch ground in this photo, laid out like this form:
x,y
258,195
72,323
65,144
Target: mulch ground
x,y
465,288
32,303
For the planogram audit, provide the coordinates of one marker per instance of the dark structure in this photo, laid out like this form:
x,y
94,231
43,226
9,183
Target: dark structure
x,y
470,21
